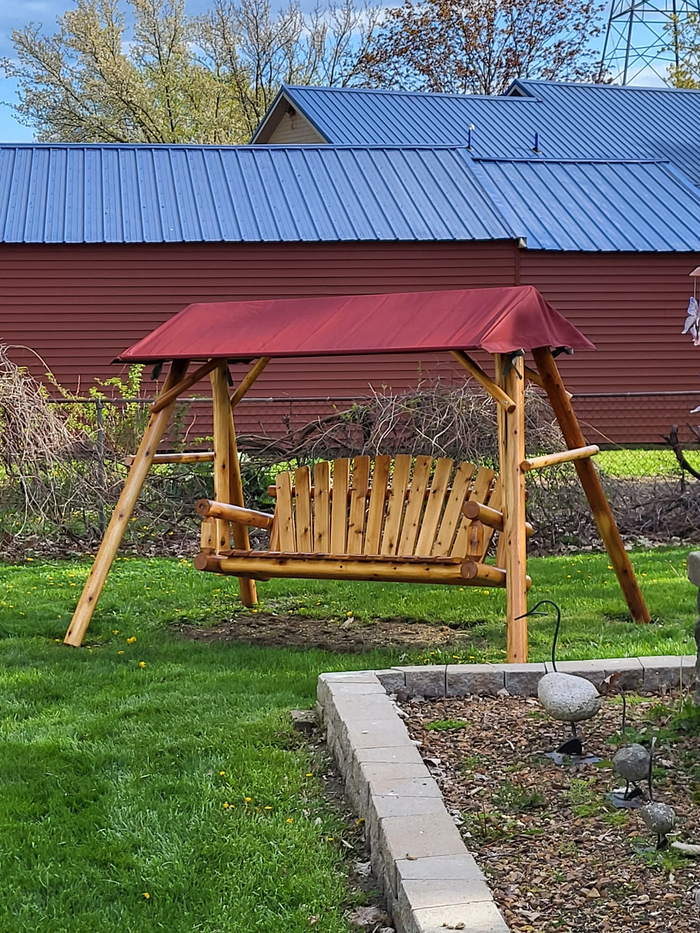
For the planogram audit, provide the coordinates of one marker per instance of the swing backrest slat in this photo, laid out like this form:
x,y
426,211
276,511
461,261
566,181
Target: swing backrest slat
x,y
406,508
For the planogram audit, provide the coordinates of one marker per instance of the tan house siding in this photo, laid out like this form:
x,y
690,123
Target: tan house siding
x,y
293,130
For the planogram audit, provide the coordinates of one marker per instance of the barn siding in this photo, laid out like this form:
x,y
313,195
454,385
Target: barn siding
x,y
79,306
631,305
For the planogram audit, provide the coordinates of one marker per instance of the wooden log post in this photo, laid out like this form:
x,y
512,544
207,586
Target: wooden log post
x,y
228,486
604,518
143,458
511,443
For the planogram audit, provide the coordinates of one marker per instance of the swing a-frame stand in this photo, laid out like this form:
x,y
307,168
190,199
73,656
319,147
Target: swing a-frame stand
x,y
405,520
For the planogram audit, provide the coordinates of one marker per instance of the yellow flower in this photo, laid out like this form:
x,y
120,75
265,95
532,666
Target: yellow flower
x,y
120,652
268,808
348,613
142,663
485,592
147,895
290,820
248,799
309,774
222,773
130,641
115,631
225,806
30,558
330,839
58,640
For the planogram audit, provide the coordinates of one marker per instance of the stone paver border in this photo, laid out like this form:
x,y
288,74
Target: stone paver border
x,y
430,880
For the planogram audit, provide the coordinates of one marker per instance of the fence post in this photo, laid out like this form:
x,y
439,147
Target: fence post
x,y
101,471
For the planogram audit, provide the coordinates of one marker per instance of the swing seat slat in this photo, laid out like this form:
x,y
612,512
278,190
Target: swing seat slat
x,y
368,519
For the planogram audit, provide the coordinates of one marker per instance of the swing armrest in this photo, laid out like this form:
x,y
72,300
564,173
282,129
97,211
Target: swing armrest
x,y
208,508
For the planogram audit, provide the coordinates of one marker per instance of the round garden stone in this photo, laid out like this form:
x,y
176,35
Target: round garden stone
x,y
659,818
568,698
632,763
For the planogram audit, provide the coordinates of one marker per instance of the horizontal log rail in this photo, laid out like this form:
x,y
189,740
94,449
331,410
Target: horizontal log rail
x,y
564,456
208,508
488,516
473,368
165,398
266,565
187,456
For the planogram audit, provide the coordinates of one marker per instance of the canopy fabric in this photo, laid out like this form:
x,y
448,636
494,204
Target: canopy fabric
x,y
498,320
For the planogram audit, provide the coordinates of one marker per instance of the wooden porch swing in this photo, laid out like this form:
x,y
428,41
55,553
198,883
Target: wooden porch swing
x,y
415,520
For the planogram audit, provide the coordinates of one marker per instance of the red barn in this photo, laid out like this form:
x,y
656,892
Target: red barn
x,y
100,244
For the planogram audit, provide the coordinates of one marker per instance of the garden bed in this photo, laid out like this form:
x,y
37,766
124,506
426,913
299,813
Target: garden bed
x,y
558,856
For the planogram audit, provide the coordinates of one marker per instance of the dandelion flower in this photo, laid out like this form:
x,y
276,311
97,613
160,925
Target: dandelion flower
x,y
120,652
309,774
290,820
130,641
147,895
248,799
222,773
115,631
142,663
268,808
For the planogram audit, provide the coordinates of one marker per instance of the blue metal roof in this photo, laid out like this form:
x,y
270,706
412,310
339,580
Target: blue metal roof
x,y
594,205
574,121
51,193
55,193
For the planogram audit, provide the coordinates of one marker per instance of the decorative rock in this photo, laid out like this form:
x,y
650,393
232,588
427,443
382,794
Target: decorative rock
x,y
632,763
568,698
659,818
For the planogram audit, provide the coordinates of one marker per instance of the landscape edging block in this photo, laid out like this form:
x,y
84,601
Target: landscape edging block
x,y
407,811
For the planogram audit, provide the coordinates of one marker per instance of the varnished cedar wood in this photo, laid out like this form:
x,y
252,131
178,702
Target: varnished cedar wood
x,y
77,306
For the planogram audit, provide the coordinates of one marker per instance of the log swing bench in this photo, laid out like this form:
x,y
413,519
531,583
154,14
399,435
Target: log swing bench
x,y
417,520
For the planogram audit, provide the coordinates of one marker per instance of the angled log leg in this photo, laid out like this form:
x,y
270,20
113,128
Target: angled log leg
x,y
512,452
590,481
228,486
122,511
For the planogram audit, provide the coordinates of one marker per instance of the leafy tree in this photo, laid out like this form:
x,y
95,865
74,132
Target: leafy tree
x,y
173,78
684,39
480,46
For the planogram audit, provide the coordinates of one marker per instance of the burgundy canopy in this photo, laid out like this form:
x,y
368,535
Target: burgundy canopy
x,y
498,320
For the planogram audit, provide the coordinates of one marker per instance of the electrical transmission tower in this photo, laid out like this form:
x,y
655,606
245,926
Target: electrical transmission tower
x,y
640,40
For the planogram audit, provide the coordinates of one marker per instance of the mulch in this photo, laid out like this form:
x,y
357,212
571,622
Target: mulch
x,y
559,858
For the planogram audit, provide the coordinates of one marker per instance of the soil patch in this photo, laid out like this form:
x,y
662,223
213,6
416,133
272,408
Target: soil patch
x,y
295,631
558,856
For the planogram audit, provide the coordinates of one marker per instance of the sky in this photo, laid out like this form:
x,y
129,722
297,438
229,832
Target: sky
x,y
16,14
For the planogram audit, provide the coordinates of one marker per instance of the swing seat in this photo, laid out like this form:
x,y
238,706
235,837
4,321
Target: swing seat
x,y
406,520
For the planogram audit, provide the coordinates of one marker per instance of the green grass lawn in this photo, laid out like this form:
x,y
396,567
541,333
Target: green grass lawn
x,y
638,462
111,756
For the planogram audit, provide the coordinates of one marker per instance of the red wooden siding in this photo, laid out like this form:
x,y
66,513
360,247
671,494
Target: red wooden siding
x,y
78,306
632,307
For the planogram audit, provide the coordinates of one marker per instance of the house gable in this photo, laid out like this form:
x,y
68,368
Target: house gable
x,y
286,125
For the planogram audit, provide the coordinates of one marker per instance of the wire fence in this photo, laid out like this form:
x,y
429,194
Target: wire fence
x,y
63,508
632,429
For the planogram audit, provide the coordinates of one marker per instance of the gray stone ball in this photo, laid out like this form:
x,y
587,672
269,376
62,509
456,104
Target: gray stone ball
x,y
568,698
632,762
659,818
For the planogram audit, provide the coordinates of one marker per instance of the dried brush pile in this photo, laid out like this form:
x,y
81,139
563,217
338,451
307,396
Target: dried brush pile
x,y
59,480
